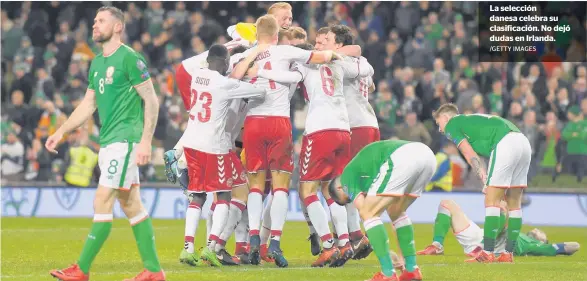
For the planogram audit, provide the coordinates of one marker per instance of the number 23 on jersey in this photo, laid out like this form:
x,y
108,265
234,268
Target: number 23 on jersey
x,y
203,102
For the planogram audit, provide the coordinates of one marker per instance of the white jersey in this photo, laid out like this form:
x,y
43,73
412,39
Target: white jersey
x,y
277,101
236,119
356,94
207,125
199,61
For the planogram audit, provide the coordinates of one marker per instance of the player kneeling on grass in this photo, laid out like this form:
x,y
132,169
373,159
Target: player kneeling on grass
x,y
470,235
388,175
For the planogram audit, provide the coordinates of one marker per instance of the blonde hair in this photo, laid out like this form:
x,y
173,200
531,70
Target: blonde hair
x,y
298,33
267,26
447,108
278,6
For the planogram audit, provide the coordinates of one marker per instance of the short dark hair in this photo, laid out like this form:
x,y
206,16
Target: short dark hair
x,y
305,46
323,30
217,52
342,34
117,13
237,50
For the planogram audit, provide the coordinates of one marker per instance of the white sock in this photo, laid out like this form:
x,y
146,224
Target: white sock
x,y
318,217
219,218
192,217
255,208
354,222
279,207
234,216
210,219
241,233
339,221
308,221
266,229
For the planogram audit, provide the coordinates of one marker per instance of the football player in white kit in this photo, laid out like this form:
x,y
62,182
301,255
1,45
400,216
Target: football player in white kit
x,y
326,144
207,145
267,137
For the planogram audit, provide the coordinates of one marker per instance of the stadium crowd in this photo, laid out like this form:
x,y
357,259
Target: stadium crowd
x,y
424,54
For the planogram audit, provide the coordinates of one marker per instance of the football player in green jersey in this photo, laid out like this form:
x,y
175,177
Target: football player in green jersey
x,y
121,89
387,176
509,155
470,235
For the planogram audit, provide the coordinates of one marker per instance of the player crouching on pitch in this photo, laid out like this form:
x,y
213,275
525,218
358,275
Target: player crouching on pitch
x,y
388,175
470,235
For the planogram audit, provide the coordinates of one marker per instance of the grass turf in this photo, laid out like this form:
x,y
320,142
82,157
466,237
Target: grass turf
x,y
33,246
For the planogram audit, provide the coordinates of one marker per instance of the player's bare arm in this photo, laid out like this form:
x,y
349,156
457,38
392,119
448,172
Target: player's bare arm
x,y
473,159
147,93
359,69
78,117
243,66
350,50
320,57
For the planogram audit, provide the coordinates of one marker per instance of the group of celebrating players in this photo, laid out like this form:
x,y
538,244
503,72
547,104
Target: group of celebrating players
x,y
238,96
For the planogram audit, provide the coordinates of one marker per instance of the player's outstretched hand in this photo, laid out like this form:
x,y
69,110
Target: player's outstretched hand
x,y
52,142
144,153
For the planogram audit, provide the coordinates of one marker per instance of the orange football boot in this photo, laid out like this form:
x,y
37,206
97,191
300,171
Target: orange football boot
x,y
72,273
149,276
327,256
505,257
415,275
431,250
482,257
380,277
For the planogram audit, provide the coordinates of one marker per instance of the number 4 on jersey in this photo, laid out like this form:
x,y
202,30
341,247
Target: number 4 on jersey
x,y
267,66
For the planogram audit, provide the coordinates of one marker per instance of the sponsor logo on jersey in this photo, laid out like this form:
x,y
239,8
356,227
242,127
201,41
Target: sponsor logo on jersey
x,y
141,65
109,74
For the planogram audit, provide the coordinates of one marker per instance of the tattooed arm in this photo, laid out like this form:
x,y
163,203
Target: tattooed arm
x,y
474,160
147,93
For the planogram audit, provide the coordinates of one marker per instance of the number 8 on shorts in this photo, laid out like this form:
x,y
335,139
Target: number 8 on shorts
x,y
118,166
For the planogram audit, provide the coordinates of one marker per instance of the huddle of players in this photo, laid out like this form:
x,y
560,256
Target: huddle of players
x,y
218,105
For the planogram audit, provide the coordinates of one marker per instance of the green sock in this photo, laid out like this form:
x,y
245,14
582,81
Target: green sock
x,y
98,235
380,242
441,227
145,237
490,228
514,227
405,236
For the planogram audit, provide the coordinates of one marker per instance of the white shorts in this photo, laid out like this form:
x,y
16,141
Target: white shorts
x,y
118,165
470,237
407,172
509,162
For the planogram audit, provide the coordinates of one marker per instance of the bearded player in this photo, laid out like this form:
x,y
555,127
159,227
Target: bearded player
x,y
470,235
509,155
267,137
121,89
388,175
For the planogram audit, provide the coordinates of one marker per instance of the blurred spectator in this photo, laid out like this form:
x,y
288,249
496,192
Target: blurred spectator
x,y
531,130
418,53
386,105
496,98
516,113
24,81
411,103
80,162
373,21
441,75
25,53
406,19
478,107
413,130
563,103
579,90
45,83
575,133
12,158
552,135
12,34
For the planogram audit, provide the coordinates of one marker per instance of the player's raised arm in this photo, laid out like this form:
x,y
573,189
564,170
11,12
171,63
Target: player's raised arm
x,y
78,117
350,50
141,80
238,89
282,76
292,53
243,66
358,69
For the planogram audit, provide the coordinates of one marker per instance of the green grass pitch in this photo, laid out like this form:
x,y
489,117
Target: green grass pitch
x,y
33,246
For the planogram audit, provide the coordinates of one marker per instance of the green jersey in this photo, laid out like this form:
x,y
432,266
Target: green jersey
x,y
363,170
528,246
482,131
119,106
